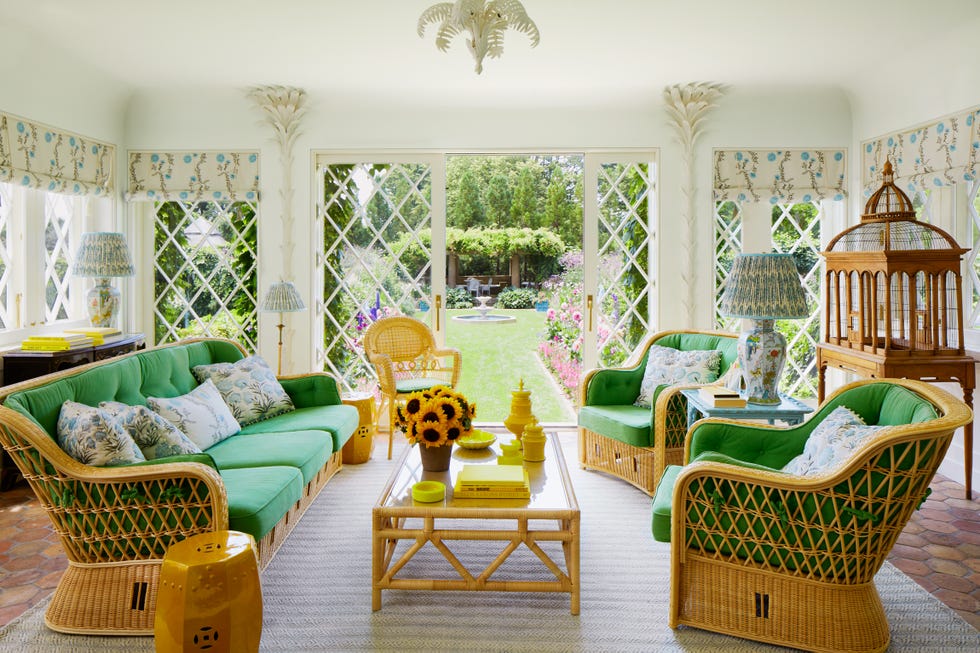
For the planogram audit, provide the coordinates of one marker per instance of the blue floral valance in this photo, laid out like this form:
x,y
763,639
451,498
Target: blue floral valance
x,y
774,176
39,156
193,176
941,153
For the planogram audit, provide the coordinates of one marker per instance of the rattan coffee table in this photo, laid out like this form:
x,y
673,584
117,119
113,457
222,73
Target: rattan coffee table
x,y
510,526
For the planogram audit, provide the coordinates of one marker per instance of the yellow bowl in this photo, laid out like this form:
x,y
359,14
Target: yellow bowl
x,y
477,440
428,491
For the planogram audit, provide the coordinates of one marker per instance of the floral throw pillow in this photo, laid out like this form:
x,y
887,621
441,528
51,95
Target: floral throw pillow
x,y
155,436
249,387
201,415
669,366
91,436
832,441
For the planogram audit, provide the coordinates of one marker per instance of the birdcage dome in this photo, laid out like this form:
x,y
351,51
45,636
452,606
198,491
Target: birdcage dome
x,y
888,202
892,235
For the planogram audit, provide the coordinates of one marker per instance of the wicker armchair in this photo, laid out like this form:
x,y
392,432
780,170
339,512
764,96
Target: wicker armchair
x,y
633,443
405,358
791,560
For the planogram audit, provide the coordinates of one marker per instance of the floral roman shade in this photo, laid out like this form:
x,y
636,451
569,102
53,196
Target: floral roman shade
x,y
774,176
193,176
940,153
39,156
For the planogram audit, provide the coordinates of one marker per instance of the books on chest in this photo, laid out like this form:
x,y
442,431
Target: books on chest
x,y
718,396
492,482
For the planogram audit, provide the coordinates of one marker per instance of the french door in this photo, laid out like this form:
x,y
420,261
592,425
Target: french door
x,y
381,220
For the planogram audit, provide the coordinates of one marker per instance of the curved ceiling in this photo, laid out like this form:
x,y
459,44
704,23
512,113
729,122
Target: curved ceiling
x,y
616,50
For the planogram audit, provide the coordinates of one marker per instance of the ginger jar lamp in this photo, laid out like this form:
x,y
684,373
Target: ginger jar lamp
x,y
103,255
282,297
763,288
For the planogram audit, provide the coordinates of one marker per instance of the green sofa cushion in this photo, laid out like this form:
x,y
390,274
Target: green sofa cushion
x,y
340,421
260,496
662,503
404,386
308,451
629,424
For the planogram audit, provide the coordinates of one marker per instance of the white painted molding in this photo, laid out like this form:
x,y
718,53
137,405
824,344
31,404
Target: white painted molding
x,y
686,106
284,108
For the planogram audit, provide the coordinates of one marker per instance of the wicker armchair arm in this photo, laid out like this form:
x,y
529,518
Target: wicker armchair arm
x,y
457,363
312,389
385,369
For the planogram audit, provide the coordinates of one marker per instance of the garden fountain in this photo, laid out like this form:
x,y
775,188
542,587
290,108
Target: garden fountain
x,y
483,314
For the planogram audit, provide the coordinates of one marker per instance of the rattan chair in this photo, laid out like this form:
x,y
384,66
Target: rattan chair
x,y
405,358
633,443
789,559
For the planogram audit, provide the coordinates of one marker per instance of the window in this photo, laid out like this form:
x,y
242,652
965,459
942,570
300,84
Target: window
x,y
205,280
39,232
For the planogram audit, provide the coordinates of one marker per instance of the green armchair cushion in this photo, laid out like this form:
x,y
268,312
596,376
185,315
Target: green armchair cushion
x,y
308,451
629,424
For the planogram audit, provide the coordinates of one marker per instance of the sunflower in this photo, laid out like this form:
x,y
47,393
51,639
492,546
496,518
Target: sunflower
x,y
435,416
432,433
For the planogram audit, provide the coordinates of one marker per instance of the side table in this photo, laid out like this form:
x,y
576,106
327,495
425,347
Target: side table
x,y
790,410
359,448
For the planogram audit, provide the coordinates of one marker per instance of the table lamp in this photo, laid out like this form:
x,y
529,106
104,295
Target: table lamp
x,y
103,255
763,288
282,297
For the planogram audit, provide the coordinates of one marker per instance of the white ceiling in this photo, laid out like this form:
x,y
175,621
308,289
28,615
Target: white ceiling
x,y
617,50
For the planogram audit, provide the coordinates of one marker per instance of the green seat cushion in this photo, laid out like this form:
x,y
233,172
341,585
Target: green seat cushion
x,y
258,497
629,424
308,451
405,386
340,421
662,500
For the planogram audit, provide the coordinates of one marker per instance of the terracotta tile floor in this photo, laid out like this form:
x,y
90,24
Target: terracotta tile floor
x,y
939,549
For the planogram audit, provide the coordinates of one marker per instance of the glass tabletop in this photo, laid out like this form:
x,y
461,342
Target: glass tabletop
x,y
550,486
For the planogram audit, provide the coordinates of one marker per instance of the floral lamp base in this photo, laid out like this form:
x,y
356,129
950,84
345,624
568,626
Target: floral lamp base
x,y
761,355
103,304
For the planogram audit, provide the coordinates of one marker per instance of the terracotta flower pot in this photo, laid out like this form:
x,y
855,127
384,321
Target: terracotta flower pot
x,y
436,459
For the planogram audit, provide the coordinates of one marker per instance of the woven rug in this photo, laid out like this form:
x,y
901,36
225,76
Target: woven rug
x,y
317,591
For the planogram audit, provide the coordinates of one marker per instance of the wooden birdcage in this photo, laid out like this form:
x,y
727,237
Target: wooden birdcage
x,y
894,302
893,283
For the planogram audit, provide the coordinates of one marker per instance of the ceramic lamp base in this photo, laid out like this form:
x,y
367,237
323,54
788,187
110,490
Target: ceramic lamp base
x,y
762,354
103,304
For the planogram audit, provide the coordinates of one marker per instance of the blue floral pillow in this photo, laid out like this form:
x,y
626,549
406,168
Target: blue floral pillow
x,y
831,442
201,415
669,366
155,436
91,436
249,387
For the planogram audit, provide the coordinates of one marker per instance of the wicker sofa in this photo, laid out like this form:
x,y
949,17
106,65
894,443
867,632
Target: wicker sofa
x,y
790,559
116,523
634,443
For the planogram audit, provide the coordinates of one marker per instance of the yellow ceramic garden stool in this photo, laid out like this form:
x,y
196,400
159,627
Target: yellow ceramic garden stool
x,y
359,447
209,597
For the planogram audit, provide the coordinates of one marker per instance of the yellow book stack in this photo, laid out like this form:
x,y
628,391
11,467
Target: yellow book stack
x,y
492,481
98,334
57,342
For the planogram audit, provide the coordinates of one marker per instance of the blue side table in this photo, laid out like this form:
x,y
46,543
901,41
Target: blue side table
x,y
790,410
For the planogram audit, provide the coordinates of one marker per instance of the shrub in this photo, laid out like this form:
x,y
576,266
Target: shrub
x,y
458,298
516,298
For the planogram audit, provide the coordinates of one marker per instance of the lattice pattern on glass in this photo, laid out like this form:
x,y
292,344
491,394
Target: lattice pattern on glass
x,y
58,214
922,204
376,257
973,256
205,279
625,284
6,309
728,244
796,231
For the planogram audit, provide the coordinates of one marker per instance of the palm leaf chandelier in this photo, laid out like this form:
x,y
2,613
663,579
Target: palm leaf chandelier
x,y
485,22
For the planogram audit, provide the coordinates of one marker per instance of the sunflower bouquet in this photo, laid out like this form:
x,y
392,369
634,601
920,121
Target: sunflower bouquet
x,y
435,417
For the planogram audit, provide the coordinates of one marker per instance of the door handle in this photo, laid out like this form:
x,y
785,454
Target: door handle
x,y
588,305
438,310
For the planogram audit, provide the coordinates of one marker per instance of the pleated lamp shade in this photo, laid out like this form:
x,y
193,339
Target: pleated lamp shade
x,y
103,254
282,297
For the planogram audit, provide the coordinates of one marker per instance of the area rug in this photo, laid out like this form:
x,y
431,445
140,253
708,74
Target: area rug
x,y
317,591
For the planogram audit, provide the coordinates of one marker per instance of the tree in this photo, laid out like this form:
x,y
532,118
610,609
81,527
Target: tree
x,y
497,201
468,210
524,203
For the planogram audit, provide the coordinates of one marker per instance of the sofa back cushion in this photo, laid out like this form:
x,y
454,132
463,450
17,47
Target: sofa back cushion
x,y
160,372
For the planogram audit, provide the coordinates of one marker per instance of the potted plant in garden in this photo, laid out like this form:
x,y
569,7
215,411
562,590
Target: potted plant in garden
x,y
434,419
542,304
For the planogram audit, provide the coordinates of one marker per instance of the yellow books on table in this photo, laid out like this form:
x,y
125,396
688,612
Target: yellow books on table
x,y
492,482
721,397
55,343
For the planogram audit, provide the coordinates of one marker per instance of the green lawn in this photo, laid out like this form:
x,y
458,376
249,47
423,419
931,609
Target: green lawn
x,y
496,357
